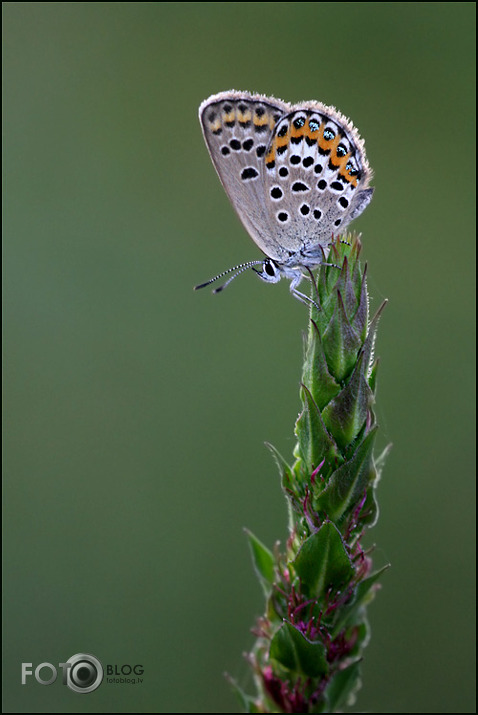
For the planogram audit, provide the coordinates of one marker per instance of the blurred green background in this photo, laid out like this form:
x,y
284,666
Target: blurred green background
x,y
136,409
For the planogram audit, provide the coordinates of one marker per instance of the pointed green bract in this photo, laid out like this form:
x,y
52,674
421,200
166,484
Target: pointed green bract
x,y
323,387
248,703
310,641
263,561
287,475
364,593
349,482
359,320
294,651
340,342
345,415
323,562
342,687
314,441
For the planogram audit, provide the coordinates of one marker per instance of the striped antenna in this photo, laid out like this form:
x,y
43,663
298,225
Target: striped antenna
x,y
239,268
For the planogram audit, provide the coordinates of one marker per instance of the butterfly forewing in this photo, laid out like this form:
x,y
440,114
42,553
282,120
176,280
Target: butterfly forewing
x,y
238,128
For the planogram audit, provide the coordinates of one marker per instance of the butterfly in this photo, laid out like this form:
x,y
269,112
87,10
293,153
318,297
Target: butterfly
x,y
296,175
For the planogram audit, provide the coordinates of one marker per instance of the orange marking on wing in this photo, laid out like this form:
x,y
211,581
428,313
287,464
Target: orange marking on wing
x,y
312,133
261,121
230,117
282,141
295,133
327,144
271,154
351,179
339,161
335,160
344,173
215,125
244,116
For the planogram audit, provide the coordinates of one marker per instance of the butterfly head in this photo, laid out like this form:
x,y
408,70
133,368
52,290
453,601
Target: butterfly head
x,y
270,271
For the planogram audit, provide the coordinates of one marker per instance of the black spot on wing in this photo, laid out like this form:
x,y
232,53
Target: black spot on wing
x,y
249,173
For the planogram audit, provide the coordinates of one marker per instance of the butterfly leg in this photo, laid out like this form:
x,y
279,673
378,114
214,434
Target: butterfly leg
x,y
301,296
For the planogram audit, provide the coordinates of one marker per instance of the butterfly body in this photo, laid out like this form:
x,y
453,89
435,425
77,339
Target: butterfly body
x,y
296,175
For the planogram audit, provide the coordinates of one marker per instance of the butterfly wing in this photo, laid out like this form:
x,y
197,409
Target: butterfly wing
x,y
316,178
238,128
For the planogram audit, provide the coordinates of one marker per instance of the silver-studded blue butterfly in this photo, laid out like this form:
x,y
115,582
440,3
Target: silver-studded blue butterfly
x,y
297,175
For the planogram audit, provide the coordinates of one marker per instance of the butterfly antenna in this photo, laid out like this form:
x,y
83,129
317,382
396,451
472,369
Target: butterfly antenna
x,y
332,265
239,268
341,240
242,268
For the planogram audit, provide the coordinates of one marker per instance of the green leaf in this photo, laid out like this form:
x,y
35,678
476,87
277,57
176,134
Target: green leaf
x,y
314,442
370,340
248,703
294,651
345,286
359,321
287,476
323,562
345,415
354,256
372,375
341,342
263,561
336,257
316,375
364,593
349,482
323,293
362,634
342,686
369,514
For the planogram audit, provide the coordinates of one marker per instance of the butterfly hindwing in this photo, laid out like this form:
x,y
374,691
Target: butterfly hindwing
x,y
316,177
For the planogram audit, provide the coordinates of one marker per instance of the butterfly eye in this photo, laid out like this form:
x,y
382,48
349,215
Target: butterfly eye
x,y
271,273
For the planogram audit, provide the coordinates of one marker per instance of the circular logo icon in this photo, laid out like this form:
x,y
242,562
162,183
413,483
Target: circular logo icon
x,y
85,673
